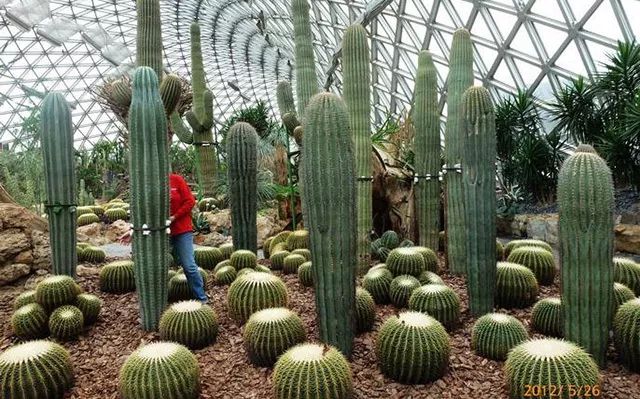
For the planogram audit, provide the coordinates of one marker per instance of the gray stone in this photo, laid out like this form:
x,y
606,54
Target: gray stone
x,y
11,273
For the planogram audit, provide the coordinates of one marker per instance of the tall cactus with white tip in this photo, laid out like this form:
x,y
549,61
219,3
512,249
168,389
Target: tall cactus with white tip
x,y
149,166
460,79
357,82
479,182
585,233
307,80
60,182
330,203
426,119
242,141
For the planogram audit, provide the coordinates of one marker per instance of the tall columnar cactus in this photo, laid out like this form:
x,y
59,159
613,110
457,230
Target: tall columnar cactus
x,y
585,232
242,165
307,81
460,79
479,180
357,86
149,188
330,204
426,118
60,182
149,36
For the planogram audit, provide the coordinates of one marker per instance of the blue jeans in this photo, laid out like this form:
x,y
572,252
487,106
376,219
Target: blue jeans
x,y
183,247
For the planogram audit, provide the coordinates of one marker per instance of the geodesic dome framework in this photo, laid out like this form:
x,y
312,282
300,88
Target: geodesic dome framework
x,y
72,46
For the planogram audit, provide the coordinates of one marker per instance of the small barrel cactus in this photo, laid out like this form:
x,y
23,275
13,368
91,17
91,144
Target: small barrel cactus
x,y
557,363
428,277
179,288
302,251
94,255
438,301
547,317
305,274
281,246
56,291
113,214
35,370
405,260
271,332
226,249
190,323
253,292
277,259
207,257
627,272
263,268
83,210
298,239
516,286
511,245
494,334
97,209
312,371
390,239
412,348
243,258
203,273
365,310
378,266
117,277
222,264
225,275
538,259
291,263
401,289
499,251
265,247
90,306
88,218
626,333
30,321
24,298
621,294
66,322
430,258
280,238
378,283
160,370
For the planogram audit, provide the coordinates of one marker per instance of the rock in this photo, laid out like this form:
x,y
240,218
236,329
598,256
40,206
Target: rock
x,y
24,257
36,278
269,224
519,225
10,273
12,242
213,239
627,238
115,230
91,233
41,250
84,271
543,227
219,221
631,215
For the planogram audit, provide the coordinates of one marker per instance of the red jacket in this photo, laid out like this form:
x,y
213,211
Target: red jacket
x,y
181,203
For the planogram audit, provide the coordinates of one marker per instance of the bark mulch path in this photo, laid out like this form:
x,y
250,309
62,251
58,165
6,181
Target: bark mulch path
x,y
226,373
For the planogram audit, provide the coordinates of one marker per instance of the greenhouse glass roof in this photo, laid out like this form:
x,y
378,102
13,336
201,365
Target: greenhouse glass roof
x,y
73,46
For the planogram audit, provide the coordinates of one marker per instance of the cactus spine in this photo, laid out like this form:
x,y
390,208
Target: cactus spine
x,y
149,37
426,119
307,84
585,232
460,79
330,213
356,92
60,182
241,147
478,178
149,165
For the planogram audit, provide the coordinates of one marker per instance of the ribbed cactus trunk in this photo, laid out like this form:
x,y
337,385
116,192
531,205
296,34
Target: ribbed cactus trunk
x,y
330,203
287,107
585,233
460,79
479,188
284,95
60,182
356,92
242,142
426,119
149,36
149,187
307,81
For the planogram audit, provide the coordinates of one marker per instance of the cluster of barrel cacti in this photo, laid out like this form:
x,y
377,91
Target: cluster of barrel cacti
x,y
388,241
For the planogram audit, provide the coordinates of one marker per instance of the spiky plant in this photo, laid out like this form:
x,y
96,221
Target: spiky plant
x,y
438,301
627,272
305,274
281,246
390,239
538,259
430,258
626,333
365,310
557,363
279,239
207,204
87,218
225,275
30,321
220,265
118,277
207,257
271,332
24,298
244,271
114,214
66,322
94,254
307,81
160,370
55,291
516,286
499,251
378,283
513,244
253,292
226,249
494,334
190,323
378,266
621,294
98,210
401,289
312,371
265,247
412,348
277,259
179,288
263,268
302,251
203,273
243,258
291,263
405,260
35,370
90,306
547,317
298,239
428,277
83,210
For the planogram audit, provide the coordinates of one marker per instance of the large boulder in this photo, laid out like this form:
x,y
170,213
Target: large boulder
x,y
268,223
628,238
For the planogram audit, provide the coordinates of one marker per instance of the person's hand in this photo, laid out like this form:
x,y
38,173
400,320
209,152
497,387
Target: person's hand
x,y
172,218
125,238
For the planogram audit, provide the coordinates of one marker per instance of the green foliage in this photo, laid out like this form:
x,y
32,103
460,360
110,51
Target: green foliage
x,y
190,323
547,317
117,277
183,161
438,301
66,323
626,333
22,175
255,291
494,334
30,321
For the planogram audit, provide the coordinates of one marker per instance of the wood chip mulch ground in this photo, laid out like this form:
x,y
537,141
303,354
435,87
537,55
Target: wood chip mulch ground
x,y
226,372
